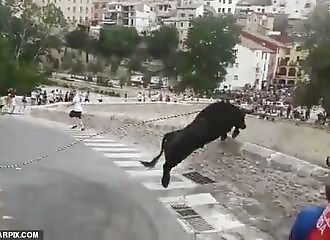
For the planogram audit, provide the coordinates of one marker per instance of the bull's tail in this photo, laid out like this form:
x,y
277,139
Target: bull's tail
x,y
155,160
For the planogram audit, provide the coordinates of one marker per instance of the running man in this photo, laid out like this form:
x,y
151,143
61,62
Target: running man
x,y
76,112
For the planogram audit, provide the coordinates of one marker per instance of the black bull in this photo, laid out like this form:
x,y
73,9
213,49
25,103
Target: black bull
x,y
214,121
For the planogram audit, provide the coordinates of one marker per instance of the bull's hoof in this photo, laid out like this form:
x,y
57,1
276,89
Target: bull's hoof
x,y
166,180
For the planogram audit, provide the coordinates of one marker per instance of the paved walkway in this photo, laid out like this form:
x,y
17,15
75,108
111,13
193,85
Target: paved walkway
x,y
188,196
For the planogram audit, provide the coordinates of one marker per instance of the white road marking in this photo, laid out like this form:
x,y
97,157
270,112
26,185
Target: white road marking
x,y
122,155
7,217
115,150
191,200
172,185
105,144
128,163
145,173
100,140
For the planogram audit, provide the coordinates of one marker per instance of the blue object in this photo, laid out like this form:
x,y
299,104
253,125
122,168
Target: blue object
x,y
305,222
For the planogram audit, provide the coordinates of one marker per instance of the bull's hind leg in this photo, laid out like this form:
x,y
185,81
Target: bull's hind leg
x,y
167,167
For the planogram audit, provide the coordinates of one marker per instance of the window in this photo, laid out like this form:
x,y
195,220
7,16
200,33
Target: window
x,y
96,6
69,9
230,1
183,15
235,77
236,65
219,10
190,24
223,10
229,10
181,24
74,9
86,9
224,1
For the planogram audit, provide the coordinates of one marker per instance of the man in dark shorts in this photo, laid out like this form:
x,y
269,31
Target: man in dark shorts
x,y
76,112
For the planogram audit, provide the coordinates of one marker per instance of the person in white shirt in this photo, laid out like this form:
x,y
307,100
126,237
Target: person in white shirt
x,y
76,112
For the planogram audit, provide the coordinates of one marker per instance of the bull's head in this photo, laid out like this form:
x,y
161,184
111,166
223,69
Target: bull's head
x,y
240,120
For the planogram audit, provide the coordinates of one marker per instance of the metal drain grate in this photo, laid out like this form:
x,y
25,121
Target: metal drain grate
x,y
198,178
192,218
199,224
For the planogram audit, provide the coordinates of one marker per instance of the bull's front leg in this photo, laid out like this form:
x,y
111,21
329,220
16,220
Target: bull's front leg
x,y
235,133
224,137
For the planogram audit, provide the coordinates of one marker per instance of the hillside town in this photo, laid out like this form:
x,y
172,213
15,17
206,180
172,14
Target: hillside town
x,y
269,52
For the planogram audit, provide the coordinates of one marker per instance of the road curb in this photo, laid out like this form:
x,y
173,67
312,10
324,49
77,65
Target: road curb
x,y
274,159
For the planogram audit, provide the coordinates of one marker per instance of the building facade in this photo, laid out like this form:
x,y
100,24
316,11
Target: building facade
x,y
290,70
182,20
128,14
222,6
295,9
74,11
251,66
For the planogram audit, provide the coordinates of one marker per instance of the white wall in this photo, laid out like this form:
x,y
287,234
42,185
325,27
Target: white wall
x,y
244,70
74,10
294,8
222,6
145,19
262,63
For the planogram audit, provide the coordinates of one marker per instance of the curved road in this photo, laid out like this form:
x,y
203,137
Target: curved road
x,y
75,194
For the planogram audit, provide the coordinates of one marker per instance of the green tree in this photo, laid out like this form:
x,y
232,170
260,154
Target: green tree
x,y
80,40
118,41
318,64
78,68
209,47
95,67
21,76
162,44
316,28
28,35
35,32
